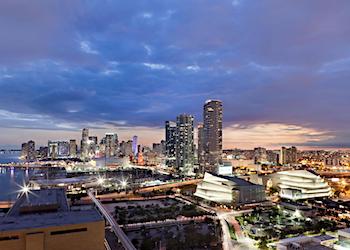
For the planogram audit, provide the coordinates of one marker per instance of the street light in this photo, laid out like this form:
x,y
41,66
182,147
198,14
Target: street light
x,y
124,183
100,180
25,189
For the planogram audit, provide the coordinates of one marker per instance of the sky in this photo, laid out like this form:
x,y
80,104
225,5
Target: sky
x,y
281,68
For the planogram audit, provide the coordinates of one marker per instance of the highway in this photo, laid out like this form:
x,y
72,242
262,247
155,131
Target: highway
x,y
114,225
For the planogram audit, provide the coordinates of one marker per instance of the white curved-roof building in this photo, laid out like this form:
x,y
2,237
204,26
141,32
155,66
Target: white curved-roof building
x,y
301,184
229,190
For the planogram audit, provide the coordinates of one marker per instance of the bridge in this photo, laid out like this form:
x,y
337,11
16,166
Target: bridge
x,y
125,241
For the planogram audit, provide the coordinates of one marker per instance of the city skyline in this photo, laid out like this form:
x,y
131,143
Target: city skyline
x,y
139,64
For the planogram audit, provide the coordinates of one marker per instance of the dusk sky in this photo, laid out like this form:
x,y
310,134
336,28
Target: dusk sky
x,y
281,68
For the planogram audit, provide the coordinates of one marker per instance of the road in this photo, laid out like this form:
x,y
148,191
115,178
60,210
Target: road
x,y
114,225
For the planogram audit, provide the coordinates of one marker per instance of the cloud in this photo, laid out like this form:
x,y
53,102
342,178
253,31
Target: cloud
x,y
85,46
144,62
272,135
156,66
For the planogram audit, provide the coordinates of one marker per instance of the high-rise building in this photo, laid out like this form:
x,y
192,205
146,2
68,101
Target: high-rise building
x,y
28,152
260,155
73,148
157,148
24,151
288,155
58,149
84,151
43,152
134,145
170,143
200,149
31,151
111,144
212,134
52,151
184,143
92,146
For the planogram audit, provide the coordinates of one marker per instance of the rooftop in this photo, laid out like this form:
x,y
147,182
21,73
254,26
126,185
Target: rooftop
x,y
236,180
40,201
28,221
44,208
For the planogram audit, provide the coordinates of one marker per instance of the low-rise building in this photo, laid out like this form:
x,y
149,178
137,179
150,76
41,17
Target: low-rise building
x,y
301,184
320,242
43,220
229,190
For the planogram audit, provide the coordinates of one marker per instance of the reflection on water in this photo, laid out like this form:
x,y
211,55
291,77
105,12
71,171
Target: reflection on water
x,y
10,178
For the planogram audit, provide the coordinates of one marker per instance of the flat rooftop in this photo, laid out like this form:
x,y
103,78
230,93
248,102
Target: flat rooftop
x,y
29,221
40,201
45,208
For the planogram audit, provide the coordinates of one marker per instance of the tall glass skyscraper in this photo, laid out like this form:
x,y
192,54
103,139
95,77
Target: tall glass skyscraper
x,y
184,143
84,146
170,143
212,134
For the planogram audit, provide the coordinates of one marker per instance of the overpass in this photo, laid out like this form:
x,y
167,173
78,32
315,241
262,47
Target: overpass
x,y
125,241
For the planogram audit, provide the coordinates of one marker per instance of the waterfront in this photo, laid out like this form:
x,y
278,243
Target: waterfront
x,y
11,178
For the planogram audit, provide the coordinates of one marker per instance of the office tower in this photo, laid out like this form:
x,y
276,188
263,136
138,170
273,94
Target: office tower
x,y
128,147
111,144
288,155
92,146
43,152
31,151
52,149
134,145
200,149
170,143
212,129
184,143
163,144
157,148
58,149
260,155
272,156
73,148
84,143
63,149
24,151
28,152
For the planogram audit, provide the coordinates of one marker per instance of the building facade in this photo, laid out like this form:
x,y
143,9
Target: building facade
x,y
170,143
184,143
212,134
300,185
84,144
42,220
229,190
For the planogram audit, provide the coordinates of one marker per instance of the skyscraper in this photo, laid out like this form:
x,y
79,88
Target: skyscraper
x,y
111,144
28,152
134,145
31,151
84,150
288,155
212,134
170,143
260,155
72,148
200,150
184,143
92,146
